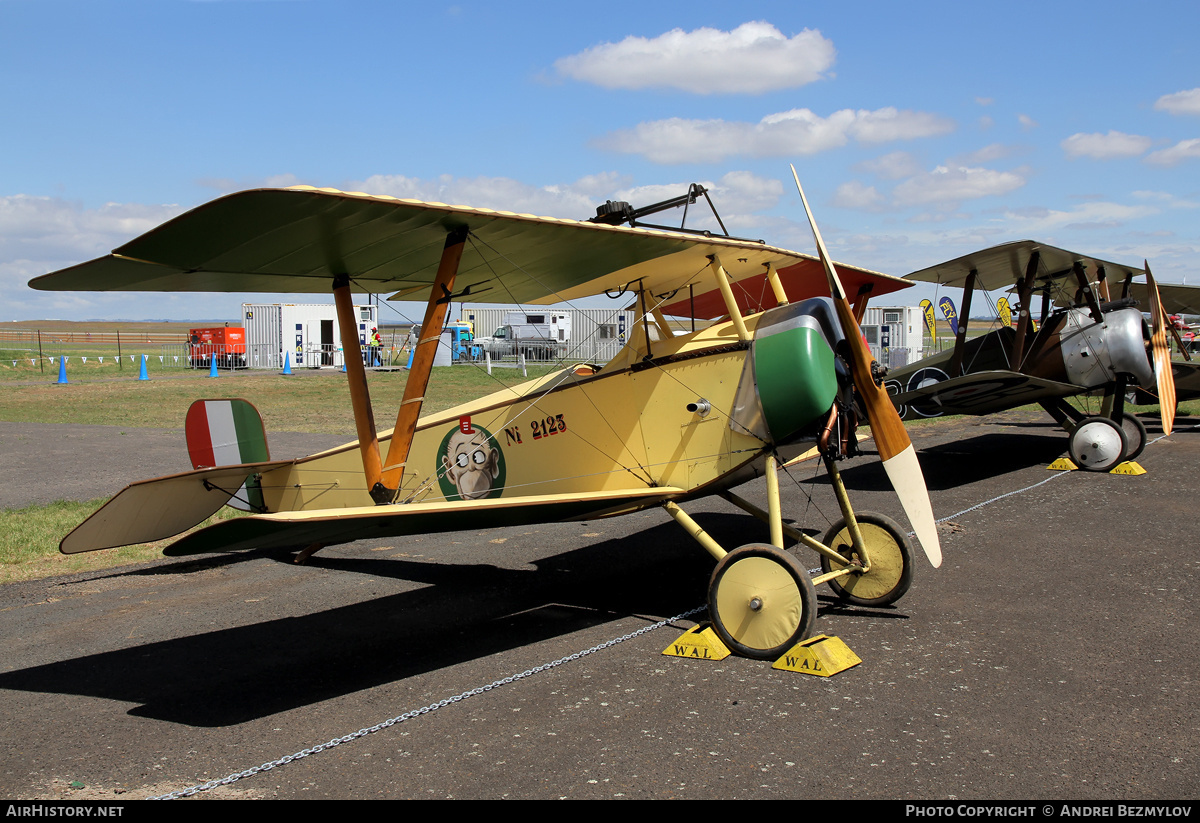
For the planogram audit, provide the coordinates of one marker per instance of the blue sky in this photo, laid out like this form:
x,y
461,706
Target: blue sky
x,y
921,130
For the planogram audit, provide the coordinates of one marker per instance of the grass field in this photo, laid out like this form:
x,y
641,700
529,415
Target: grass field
x,y
308,401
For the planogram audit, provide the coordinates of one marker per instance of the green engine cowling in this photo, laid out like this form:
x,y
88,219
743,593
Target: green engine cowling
x,y
791,379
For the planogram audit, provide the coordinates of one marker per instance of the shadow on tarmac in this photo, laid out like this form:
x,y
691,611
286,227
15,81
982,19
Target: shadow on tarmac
x,y
462,613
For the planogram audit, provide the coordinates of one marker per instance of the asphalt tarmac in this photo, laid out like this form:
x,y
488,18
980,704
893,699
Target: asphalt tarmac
x,y
1054,655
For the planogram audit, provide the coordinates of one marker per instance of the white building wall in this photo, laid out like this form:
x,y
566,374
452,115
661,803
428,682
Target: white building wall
x,y
904,335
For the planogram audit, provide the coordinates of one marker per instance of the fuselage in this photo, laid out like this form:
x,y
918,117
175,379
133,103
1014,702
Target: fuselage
x,y
635,423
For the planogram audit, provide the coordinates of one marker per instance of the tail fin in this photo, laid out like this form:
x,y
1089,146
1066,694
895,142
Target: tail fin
x,y
228,432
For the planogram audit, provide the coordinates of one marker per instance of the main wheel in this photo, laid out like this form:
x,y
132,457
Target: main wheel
x,y
1097,444
760,601
1135,435
890,554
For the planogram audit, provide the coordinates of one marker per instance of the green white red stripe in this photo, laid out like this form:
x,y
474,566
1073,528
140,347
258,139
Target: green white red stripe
x,y
228,433
225,433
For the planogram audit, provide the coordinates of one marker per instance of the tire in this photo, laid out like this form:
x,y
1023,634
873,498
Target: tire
x,y
1097,444
890,554
761,602
1135,436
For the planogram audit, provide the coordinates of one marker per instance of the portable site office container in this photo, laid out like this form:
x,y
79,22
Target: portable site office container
x,y
896,334
308,332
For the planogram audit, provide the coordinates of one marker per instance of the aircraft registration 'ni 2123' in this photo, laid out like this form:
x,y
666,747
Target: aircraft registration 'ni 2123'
x,y
1088,341
672,418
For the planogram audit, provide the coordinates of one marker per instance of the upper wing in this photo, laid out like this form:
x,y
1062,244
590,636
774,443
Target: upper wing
x,y
1176,299
298,239
1004,265
801,279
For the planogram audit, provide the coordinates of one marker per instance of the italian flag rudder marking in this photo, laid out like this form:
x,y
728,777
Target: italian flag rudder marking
x,y
225,433
228,433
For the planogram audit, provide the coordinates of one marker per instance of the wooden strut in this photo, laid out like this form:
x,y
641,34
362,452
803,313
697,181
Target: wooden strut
x,y
1102,278
1175,333
356,373
963,320
422,365
860,304
1024,320
1085,288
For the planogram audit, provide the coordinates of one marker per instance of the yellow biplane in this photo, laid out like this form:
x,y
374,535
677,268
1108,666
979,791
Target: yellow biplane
x,y
670,419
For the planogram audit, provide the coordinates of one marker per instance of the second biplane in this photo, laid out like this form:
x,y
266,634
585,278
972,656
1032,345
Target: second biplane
x,y
1089,344
670,419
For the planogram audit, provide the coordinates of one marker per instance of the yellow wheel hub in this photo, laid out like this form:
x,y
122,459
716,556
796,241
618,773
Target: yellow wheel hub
x,y
761,602
889,554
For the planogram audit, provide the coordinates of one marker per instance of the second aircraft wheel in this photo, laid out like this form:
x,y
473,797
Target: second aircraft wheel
x,y
1135,435
1097,444
891,561
761,602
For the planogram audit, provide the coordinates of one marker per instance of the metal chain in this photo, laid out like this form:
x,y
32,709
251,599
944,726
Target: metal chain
x,y
337,741
1001,497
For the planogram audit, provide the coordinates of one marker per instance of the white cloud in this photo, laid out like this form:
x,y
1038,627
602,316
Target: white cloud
x,y
1166,198
738,195
887,124
1026,122
987,154
794,132
1181,102
1105,146
946,186
985,101
893,166
1183,150
1087,215
50,228
753,58
855,195
575,201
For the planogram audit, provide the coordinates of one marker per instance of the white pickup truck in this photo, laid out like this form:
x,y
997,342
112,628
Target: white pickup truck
x,y
537,335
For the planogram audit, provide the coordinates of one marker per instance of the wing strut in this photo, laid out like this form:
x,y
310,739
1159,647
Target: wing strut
x,y
1025,319
422,365
1085,288
776,285
735,314
356,373
860,305
964,318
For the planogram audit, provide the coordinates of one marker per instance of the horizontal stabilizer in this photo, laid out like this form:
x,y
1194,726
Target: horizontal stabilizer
x,y
333,526
156,509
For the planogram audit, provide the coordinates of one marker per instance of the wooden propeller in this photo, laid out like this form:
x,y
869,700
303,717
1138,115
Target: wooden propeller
x,y
895,448
1162,354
